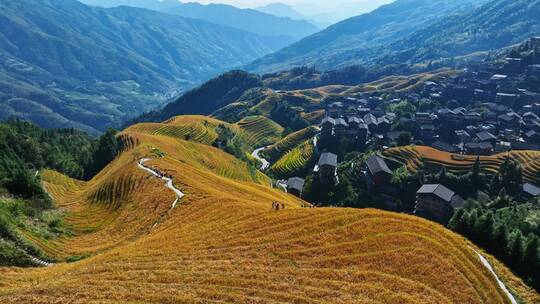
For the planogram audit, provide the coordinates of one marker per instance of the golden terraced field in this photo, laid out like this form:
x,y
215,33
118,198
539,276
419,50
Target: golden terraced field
x,y
224,244
414,156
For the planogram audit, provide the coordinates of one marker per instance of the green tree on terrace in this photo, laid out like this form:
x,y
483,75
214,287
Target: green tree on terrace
x,y
511,177
404,139
531,256
477,180
107,149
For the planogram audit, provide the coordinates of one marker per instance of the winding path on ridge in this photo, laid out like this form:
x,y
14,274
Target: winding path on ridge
x,y
486,264
168,181
265,164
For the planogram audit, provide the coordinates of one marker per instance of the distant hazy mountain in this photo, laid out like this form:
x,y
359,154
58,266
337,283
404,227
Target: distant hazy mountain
x,y
351,40
281,10
226,15
496,24
65,64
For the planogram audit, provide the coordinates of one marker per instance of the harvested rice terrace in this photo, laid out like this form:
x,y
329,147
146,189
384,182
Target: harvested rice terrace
x,y
289,143
260,130
294,160
224,244
414,156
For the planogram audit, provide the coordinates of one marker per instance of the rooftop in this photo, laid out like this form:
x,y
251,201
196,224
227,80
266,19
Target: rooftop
x,y
328,159
376,164
438,190
296,183
531,189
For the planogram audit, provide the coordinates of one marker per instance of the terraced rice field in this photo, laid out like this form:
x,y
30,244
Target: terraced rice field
x,y
294,160
200,129
401,83
224,244
260,130
414,156
290,142
315,117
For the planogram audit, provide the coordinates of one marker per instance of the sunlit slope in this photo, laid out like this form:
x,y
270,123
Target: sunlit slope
x,y
415,156
224,244
260,130
123,202
223,250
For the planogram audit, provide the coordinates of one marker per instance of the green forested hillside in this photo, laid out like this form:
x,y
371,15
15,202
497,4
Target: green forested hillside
x,y
209,97
411,32
25,207
65,64
350,41
497,24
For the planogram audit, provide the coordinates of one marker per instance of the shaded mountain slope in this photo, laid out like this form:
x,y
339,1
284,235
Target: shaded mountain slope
x,y
495,25
207,98
348,41
250,20
64,64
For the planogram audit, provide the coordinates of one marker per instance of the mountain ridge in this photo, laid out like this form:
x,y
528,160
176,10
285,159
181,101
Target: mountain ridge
x,y
358,39
98,66
250,20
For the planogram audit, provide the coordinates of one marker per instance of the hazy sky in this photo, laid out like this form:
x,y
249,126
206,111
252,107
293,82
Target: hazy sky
x,y
255,3
333,9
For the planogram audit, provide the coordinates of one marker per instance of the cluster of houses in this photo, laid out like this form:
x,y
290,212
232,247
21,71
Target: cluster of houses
x,y
485,110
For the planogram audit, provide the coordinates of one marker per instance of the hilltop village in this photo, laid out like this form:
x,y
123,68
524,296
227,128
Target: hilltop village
x,y
485,109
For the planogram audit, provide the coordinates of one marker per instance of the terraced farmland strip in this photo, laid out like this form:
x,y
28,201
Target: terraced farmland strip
x,y
294,160
260,130
414,156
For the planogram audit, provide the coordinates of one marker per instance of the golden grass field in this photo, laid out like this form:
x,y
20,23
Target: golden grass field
x,y
294,160
414,156
260,130
290,142
224,244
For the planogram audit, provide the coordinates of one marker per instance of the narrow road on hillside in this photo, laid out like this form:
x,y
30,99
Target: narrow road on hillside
x,y
264,163
40,262
168,181
486,264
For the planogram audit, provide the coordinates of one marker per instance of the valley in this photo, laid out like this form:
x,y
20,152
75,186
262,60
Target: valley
x,y
224,243
169,152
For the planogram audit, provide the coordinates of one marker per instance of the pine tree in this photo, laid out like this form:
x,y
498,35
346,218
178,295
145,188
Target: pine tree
x,y
457,222
515,249
531,257
499,240
476,178
496,184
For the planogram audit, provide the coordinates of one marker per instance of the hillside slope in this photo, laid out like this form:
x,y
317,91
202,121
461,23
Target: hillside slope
x,y
65,64
497,24
349,41
224,244
254,21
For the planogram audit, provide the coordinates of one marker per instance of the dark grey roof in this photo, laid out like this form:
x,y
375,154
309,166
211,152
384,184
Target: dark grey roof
x,y
341,121
355,119
328,159
296,183
427,127
376,165
444,146
370,119
382,120
531,189
531,133
328,120
483,146
438,190
485,136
